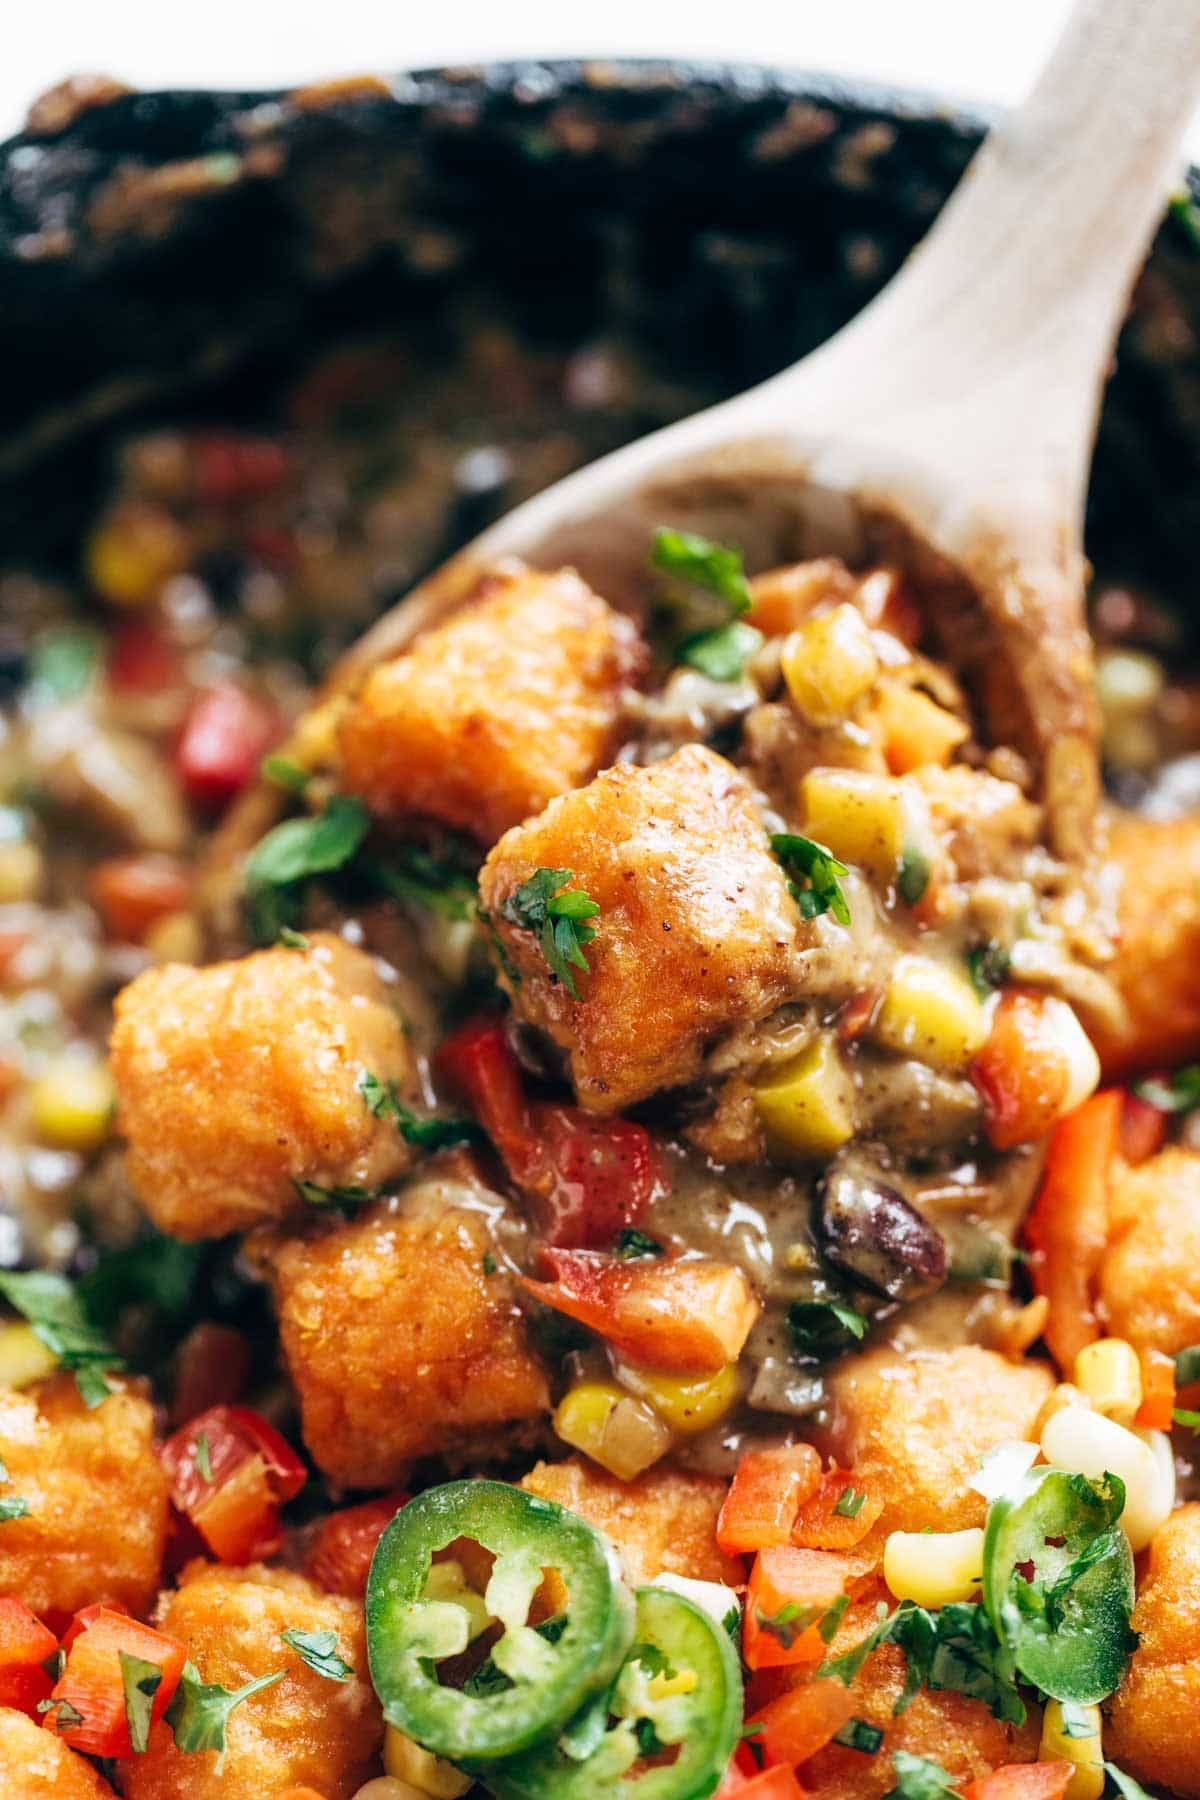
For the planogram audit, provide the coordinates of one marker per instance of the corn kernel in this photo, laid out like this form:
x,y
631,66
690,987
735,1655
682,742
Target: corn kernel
x,y
1110,1374
175,938
712,1597
688,1403
1086,1443
406,1761
22,868
805,1103
72,1105
24,1358
386,1787
1081,1747
133,551
829,663
861,818
624,1435
934,1568
932,1013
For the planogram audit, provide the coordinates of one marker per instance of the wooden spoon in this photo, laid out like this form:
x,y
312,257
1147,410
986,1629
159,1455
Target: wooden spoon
x,y
950,423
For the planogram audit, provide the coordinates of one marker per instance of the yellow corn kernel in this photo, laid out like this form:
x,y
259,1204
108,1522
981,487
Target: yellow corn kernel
x,y
1110,1374
22,867
24,1358
829,663
688,1403
72,1105
934,1568
861,818
624,1435
1082,1747
932,1013
406,1761
133,551
386,1787
805,1103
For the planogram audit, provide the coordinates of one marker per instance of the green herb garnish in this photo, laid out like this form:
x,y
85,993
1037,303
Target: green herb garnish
x,y
988,966
382,1101
1179,1093
140,1680
293,852
1187,1366
809,862
318,1649
62,663
721,651
1187,1418
558,913
919,1778
53,1308
850,1503
413,874
823,1328
631,1245
857,1734
199,1713
13,1506
202,1457
285,773
912,877
345,1198
1186,213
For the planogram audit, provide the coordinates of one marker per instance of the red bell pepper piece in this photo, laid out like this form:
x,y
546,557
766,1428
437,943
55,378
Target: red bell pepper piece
x,y
141,658
789,1594
1021,1073
339,1557
1143,1127
1067,1229
689,1315
225,734
90,1714
1156,1413
25,1643
802,1721
232,1486
131,893
586,1178
765,1495
820,1526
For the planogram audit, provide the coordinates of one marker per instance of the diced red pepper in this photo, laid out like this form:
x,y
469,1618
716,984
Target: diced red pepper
x,y
25,1644
131,893
225,735
765,1495
339,1557
232,1487
778,1783
230,469
1023,1781
1143,1128
1067,1229
789,1594
141,658
87,1615
802,1721
1158,1391
689,1316
586,1178
91,1714
820,1526
1021,1073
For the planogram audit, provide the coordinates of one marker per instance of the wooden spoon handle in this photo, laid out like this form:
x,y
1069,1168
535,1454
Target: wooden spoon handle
x,y
1027,273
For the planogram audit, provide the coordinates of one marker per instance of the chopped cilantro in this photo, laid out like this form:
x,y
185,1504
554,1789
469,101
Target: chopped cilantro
x,y
292,852
827,1630
140,1680
155,1271
1186,213
202,1457
66,1715
291,939
912,877
319,1650
723,652
823,1328
382,1102
717,568
988,966
648,1741
285,773
346,1198
1187,1366
850,1503
489,1263
200,1710
13,1506
1179,1093
789,1623
857,1734
54,1310
919,1778
807,861
732,1625
487,1679
1075,1721
631,1245
954,1649
1183,1416
61,664
558,914
415,875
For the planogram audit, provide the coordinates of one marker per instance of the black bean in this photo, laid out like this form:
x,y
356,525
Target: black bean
x,y
874,1233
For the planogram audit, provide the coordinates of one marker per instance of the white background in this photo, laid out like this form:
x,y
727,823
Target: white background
x,y
972,49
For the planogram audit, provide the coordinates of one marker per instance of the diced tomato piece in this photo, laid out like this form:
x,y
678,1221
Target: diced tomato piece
x,y
225,734
586,1178
689,1316
1067,1230
1022,1074
212,1367
765,1495
231,468
131,893
232,1485
1022,1781
790,1592
778,1783
802,1721
25,1643
1158,1391
820,1526
91,1712
339,1557
1143,1128
141,657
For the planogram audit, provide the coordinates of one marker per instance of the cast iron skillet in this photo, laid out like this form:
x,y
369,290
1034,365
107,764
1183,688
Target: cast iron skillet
x,y
172,254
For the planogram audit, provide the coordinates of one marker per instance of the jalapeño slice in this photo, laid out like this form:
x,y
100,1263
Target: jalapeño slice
x,y
1058,1582
535,1680
665,1729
